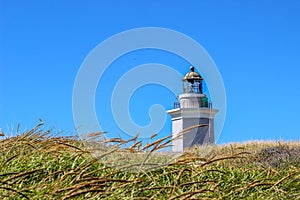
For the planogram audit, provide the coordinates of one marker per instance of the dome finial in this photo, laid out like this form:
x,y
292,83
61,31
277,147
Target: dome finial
x,y
192,68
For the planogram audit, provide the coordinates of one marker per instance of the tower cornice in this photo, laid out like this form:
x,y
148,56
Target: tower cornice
x,y
192,113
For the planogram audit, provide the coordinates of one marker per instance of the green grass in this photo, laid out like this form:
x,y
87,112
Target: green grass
x,y
35,165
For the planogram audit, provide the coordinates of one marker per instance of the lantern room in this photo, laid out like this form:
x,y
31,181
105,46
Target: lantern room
x,y
192,82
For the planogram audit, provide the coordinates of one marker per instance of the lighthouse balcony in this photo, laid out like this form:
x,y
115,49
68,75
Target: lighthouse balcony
x,y
202,104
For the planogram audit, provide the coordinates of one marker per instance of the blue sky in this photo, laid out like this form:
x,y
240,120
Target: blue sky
x,y
255,45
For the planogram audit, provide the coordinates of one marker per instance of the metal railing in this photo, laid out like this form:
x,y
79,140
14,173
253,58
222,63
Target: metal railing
x,y
176,105
207,105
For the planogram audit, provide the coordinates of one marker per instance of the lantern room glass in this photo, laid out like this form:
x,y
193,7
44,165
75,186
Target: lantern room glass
x,y
192,86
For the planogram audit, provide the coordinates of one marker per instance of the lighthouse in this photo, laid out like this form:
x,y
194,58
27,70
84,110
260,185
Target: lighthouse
x,y
193,116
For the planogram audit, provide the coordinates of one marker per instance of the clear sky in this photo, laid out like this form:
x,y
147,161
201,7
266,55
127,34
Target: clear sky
x,y
255,45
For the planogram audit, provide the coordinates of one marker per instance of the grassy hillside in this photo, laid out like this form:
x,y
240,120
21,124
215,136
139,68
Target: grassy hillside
x,y
35,165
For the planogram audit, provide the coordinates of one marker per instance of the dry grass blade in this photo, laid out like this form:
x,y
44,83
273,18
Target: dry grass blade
x,y
281,180
187,195
22,174
196,182
115,140
186,130
157,188
81,192
11,158
72,146
155,143
223,158
181,173
95,134
208,171
153,136
134,146
13,190
10,173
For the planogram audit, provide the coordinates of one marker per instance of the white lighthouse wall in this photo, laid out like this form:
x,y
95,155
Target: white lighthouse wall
x,y
211,131
177,143
197,135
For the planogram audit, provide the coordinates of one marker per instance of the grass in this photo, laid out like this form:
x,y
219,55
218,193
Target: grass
x,y
35,165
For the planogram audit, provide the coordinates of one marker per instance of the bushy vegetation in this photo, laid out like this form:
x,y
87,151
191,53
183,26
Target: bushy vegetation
x,y
35,165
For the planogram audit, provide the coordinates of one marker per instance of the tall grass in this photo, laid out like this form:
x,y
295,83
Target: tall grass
x,y
35,165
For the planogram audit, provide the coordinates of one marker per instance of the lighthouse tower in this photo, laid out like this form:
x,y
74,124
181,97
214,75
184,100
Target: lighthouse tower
x,y
193,116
